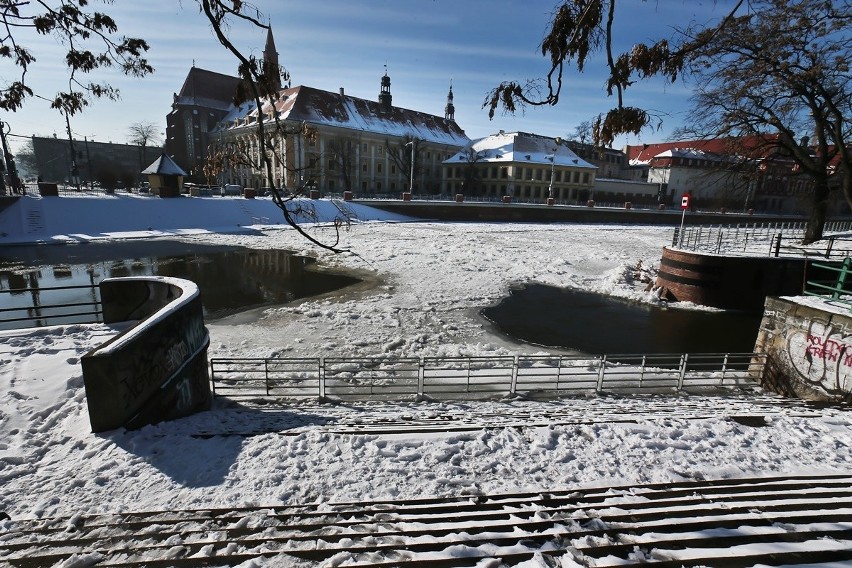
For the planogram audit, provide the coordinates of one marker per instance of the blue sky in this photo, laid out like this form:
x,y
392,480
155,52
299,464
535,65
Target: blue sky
x,y
330,44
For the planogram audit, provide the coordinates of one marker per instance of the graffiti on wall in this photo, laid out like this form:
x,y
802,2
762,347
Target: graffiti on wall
x,y
822,356
160,372
160,354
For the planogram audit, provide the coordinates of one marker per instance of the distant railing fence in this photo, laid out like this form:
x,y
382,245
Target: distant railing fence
x,y
46,307
450,378
770,239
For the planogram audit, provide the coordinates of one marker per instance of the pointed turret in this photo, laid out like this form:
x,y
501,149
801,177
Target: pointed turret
x,y
271,68
385,94
450,109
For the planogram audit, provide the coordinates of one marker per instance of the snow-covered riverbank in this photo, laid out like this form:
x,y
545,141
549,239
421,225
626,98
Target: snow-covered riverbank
x,y
431,280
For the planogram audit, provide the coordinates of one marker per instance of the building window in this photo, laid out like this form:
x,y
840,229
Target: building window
x,y
364,186
378,186
364,167
576,177
586,177
393,168
504,172
332,164
331,185
379,167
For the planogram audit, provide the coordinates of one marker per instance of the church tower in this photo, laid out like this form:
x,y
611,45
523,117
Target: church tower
x,y
450,109
271,68
385,94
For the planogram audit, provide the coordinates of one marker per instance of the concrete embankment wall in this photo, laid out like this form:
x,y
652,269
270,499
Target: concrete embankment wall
x,y
523,212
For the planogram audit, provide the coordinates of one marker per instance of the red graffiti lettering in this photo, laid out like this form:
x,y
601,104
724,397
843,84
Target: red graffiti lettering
x,y
829,350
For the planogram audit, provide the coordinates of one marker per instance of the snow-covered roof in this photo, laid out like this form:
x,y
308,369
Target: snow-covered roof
x,y
323,108
520,147
164,166
691,153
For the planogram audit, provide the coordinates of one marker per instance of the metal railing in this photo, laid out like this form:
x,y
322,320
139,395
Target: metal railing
x,y
766,239
454,378
40,312
836,289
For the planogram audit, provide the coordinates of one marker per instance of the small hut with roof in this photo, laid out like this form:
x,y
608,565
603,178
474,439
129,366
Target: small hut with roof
x,y
165,177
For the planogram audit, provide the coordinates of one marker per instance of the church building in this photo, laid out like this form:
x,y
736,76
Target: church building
x,y
328,141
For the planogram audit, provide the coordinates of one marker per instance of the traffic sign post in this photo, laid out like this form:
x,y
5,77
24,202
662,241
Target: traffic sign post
x,y
684,205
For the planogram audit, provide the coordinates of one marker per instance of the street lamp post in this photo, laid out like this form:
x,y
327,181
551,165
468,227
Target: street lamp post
x,y
411,180
553,166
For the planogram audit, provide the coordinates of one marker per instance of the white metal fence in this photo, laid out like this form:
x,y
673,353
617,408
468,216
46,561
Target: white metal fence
x,y
765,239
465,378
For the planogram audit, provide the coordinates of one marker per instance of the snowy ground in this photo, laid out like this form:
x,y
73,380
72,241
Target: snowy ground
x,y
427,282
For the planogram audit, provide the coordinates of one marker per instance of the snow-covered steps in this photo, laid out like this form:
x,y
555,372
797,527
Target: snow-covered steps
x,y
248,418
775,521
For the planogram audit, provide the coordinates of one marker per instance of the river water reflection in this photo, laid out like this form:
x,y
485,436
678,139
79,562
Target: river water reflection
x,y
597,324
231,279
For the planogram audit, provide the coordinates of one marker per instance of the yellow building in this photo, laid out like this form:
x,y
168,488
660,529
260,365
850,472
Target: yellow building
x,y
524,166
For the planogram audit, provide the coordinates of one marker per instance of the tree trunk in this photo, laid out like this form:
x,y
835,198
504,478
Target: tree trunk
x,y
819,208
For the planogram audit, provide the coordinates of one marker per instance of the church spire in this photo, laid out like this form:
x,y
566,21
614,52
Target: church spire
x,y
385,94
450,109
271,68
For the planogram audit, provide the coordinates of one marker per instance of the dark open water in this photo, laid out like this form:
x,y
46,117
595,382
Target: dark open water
x,y
231,279
595,324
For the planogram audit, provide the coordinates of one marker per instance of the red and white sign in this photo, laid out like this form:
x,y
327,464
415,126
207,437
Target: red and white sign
x,y
684,202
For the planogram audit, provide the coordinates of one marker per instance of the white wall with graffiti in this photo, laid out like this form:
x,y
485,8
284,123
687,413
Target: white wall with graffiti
x,y
809,342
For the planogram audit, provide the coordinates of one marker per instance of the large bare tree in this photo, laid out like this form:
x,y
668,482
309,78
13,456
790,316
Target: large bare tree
x,y
778,79
768,67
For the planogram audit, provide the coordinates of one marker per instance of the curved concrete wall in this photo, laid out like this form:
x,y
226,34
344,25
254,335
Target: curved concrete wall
x,y
157,369
728,282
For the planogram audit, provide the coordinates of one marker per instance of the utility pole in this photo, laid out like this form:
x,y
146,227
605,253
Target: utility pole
x,y
75,173
89,163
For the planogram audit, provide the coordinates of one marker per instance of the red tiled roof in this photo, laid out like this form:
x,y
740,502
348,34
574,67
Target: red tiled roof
x,y
750,146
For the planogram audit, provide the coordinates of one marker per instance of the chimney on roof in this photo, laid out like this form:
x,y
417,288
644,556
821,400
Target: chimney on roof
x,y
341,92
